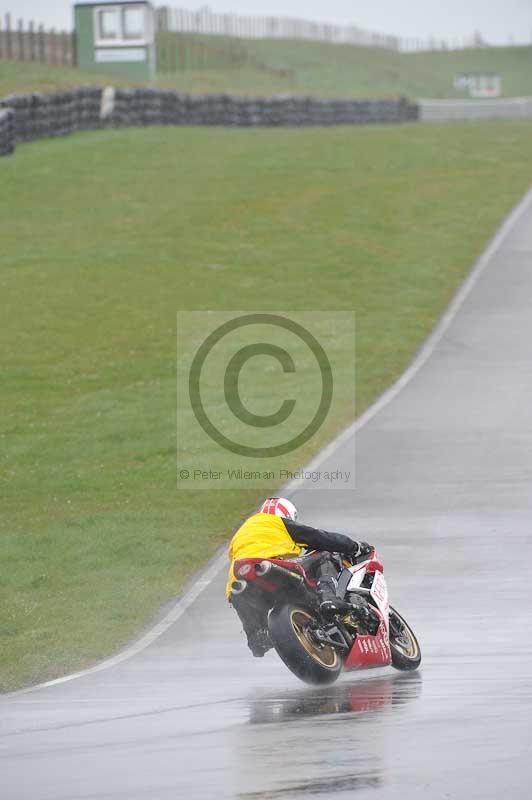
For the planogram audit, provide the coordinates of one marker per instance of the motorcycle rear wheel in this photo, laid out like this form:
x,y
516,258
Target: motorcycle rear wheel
x,y
405,650
290,633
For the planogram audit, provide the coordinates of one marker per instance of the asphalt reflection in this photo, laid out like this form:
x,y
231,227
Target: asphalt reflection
x,y
359,696
336,784
320,741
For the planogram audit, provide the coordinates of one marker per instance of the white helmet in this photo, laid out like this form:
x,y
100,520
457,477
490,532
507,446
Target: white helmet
x,y
279,506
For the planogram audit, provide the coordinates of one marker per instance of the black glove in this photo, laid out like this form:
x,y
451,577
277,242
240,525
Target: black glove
x,y
362,549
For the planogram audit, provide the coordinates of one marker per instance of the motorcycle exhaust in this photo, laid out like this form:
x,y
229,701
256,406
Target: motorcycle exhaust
x,y
286,580
275,571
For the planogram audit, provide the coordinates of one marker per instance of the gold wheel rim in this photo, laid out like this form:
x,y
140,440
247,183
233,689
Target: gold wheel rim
x,y
326,655
405,642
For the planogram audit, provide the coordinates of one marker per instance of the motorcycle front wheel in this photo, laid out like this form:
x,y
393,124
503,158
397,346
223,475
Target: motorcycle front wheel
x,y
290,628
406,653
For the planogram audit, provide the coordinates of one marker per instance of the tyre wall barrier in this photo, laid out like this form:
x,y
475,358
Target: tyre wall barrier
x,y
136,107
7,131
40,115
34,116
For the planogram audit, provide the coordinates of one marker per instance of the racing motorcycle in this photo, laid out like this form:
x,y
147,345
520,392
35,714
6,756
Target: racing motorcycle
x,y
315,649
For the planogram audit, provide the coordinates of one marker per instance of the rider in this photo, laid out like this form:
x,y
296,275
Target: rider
x,y
274,532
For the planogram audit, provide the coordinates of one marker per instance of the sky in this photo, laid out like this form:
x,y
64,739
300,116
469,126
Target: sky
x,y
499,21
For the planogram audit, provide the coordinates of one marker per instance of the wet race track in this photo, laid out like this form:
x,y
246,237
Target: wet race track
x,y
444,488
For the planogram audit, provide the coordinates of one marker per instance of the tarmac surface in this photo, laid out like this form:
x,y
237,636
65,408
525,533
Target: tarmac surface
x,y
444,488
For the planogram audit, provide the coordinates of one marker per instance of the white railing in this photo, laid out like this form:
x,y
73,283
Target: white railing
x,y
449,110
207,22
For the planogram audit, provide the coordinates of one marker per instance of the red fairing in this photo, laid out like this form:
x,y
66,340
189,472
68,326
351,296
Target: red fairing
x,y
374,565
269,585
370,651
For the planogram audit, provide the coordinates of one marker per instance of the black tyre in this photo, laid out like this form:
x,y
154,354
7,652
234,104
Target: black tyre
x,y
290,629
406,653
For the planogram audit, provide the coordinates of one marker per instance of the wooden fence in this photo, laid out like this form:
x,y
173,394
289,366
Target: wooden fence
x,y
205,21
32,42
177,52
180,52
203,40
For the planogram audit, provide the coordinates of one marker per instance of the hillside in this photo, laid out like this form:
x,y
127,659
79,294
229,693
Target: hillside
x,y
347,70
276,66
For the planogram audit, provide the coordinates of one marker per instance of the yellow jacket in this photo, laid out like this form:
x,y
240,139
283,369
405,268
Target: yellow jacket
x,y
261,536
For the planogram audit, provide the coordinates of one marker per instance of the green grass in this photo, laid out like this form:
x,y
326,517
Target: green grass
x,y
306,68
16,76
344,70
105,235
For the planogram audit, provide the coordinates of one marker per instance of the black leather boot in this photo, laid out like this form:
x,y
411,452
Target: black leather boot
x,y
259,642
330,604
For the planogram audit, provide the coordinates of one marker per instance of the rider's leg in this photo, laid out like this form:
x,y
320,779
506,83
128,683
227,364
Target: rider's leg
x,y
327,577
326,572
255,623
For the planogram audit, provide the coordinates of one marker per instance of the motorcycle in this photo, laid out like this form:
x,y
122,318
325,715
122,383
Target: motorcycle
x,y
316,649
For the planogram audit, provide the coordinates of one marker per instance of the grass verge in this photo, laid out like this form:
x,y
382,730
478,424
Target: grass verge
x,y
104,236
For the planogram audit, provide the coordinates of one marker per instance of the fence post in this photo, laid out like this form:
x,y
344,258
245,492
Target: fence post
x,y
20,40
64,47
162,19
167,51
52,38
40,43
9,44
175,53
31,36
